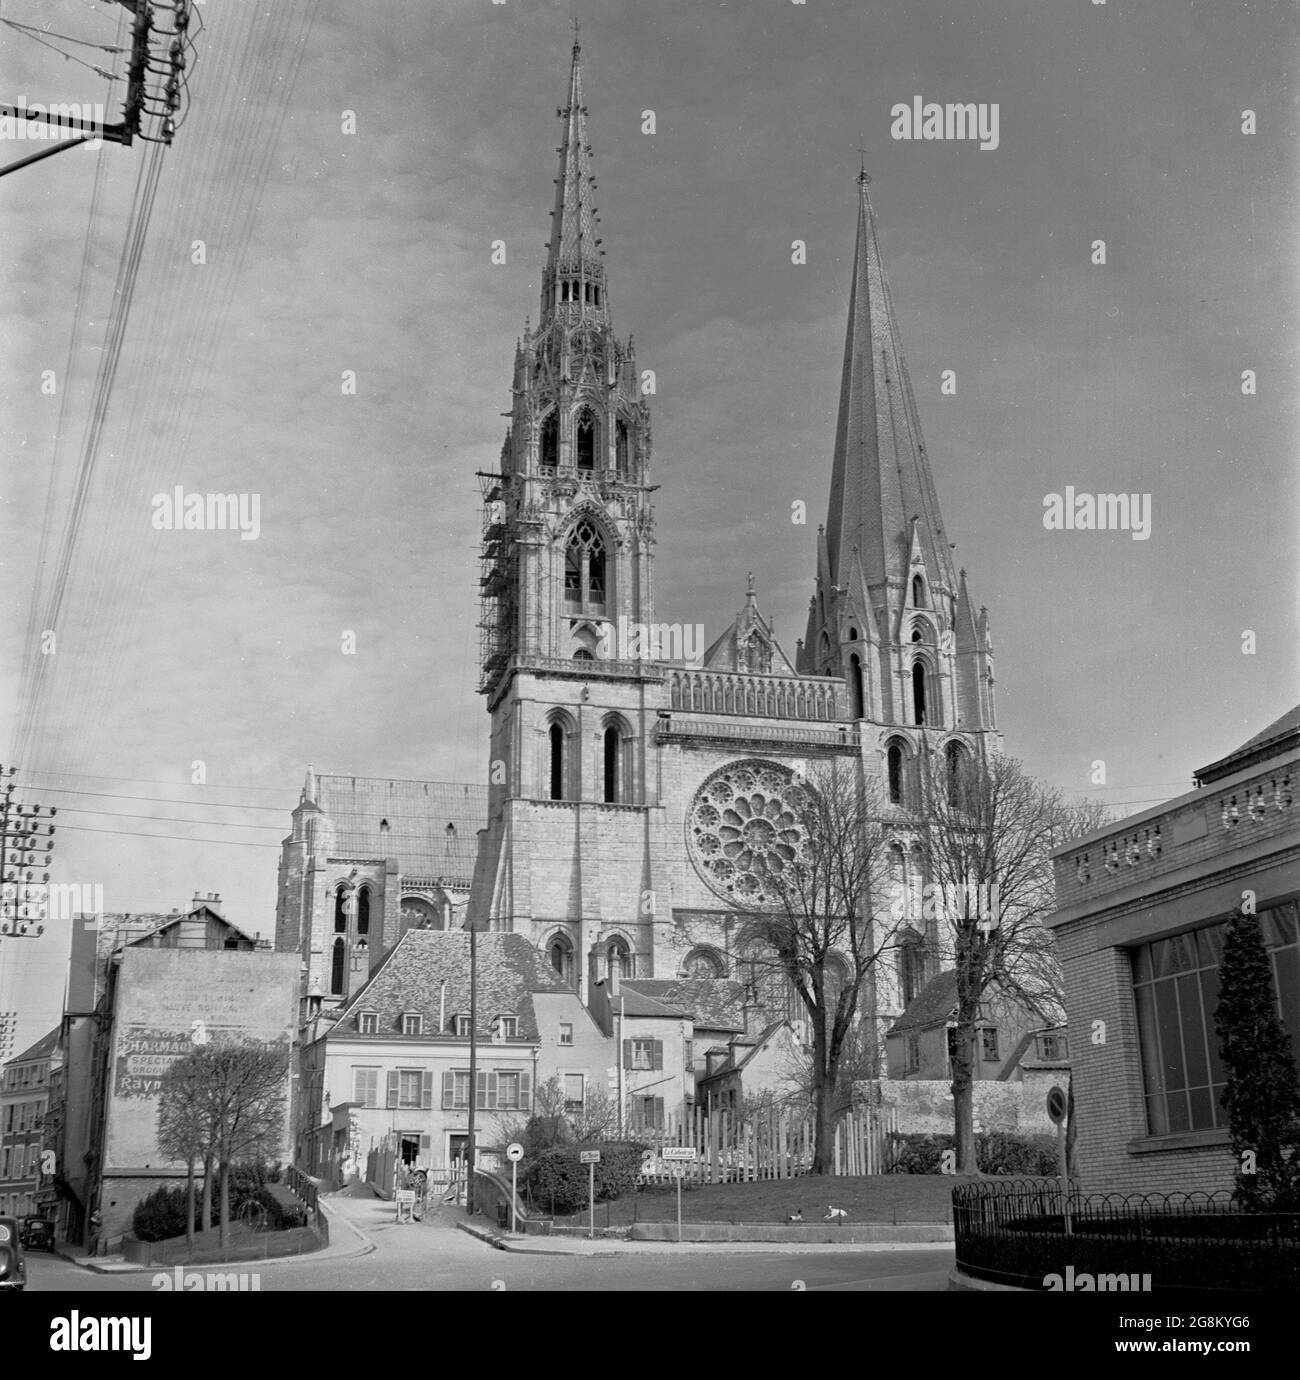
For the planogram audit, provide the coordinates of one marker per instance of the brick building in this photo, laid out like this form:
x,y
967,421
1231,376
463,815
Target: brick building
x,y
1141,908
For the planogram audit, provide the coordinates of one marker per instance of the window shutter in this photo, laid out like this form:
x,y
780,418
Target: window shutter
x,y
492,1090
659,1114
627,1054
480,1091
525,1093
392,1089
448,1090
658,1047
426,1089
426,1142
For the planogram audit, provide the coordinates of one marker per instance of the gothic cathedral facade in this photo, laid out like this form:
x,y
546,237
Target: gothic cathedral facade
x,y
631,796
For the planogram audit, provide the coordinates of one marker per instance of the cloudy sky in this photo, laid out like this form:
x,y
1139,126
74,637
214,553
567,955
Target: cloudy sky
x,y
326,251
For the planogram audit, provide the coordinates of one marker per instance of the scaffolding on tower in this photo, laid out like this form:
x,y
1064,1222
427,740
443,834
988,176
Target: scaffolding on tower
x,y
497,584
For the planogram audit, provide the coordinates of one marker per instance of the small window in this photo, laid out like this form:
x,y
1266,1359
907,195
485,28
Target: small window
x,y
462,1027
989,1042
566,1032
508,1091
408,1087
573,1092
643,1054
368,1023
913,1053
412,1024
507,1027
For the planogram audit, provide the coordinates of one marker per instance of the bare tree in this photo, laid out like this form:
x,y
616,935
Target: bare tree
x,y
227,1100
817,928
184,1130
987,830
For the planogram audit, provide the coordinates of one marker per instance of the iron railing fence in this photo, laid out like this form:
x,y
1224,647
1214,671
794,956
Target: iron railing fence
x,y
1014,1232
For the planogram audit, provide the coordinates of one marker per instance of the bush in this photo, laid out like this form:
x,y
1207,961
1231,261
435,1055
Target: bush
x,y
161,1215
996,1152
557,1176
283,1210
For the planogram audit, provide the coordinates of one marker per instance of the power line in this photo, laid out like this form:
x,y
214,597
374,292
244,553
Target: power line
x,y
178,838
152,799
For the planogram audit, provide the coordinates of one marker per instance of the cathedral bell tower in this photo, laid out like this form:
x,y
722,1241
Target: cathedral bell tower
x,y
565,575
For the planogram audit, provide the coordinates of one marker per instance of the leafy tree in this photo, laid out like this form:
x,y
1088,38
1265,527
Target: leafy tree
x,y
184,1131
987,830
1262,1097
820,933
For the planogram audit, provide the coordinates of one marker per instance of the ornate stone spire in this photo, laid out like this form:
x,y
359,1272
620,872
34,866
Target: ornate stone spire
x,y
573,283
880,477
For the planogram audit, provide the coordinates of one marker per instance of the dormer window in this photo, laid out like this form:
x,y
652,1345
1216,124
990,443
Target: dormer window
x,y
506,1028
462,1027
368,1023
412,1023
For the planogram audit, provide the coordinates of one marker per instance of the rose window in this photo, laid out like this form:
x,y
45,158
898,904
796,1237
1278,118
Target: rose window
x,y
744,831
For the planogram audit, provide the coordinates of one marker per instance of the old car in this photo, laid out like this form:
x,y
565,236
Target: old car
x,y
37,1234
13,1266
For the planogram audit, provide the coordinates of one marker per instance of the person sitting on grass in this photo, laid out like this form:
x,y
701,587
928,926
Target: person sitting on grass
x,y
795,1216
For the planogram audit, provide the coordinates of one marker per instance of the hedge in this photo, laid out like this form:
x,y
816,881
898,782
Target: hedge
x,y
996,1152
558,1176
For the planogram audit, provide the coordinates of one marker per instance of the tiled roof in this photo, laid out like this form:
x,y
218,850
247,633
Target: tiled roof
x,y
630,1002
713,1003
417,813
42,1049
932,1005
1280,729
409,979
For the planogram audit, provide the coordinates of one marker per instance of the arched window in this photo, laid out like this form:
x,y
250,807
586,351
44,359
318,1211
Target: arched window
x,y
835,975
958,763
702,963
560,952
620,446
550,448
618,959
853,634
613,755
337,968
585,437
582,654
918,692
557,747
584,567
363,911
916,634
911,968
895,759
918,591
855,687
341,911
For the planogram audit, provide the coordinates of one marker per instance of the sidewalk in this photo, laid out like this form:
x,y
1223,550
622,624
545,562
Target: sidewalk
x,y
581,1246
345,1240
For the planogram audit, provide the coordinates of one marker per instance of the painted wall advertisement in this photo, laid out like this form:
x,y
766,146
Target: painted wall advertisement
x,y
170,1001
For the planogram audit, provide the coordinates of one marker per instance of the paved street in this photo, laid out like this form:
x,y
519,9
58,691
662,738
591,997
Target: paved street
x,y
436,1255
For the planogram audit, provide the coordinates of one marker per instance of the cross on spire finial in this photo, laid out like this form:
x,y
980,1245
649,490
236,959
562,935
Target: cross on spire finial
x,y
863,176
575,33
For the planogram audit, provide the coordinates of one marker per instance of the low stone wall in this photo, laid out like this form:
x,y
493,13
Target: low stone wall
x,y
924,1106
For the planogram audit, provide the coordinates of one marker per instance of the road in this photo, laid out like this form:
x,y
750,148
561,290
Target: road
x,y
434,1255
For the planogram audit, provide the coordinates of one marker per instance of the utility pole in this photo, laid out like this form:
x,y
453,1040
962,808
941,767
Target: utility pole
x,y
155,82
26,845
473,1066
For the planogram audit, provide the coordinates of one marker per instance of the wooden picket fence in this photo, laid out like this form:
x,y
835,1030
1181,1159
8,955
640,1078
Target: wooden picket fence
x,y
729,1149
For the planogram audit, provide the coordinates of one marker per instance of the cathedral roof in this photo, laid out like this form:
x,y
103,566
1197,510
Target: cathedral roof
x,y
409,980
416,813
749,644
880,475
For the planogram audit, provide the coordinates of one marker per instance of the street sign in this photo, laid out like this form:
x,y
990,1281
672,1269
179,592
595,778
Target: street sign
x,y
405,1195
678,1152
588,1156
514,1152
1056,1104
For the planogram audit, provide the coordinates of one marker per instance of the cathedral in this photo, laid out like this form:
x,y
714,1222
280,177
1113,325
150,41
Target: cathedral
x,y
625,825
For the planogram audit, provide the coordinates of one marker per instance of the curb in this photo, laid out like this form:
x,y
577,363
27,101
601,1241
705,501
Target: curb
x,y
119,1265
499,1241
